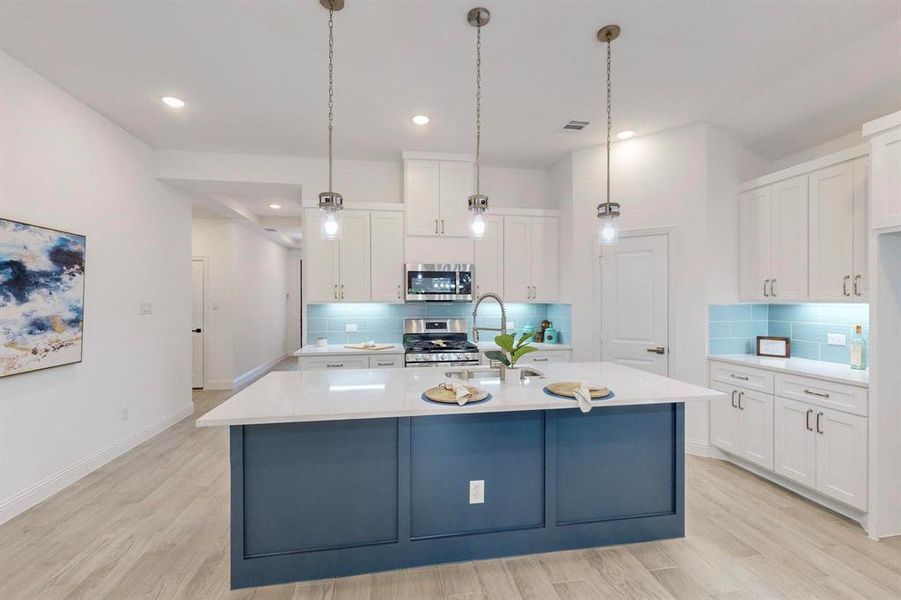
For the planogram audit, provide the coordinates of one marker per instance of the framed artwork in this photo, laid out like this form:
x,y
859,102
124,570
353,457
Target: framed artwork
x,y
780,347
41,297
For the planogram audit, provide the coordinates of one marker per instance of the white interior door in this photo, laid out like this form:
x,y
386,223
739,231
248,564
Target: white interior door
x,y
635,303
197,302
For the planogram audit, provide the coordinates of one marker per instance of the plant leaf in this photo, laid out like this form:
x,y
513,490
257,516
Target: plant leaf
x,y
498,355
520,352
505,342
524,339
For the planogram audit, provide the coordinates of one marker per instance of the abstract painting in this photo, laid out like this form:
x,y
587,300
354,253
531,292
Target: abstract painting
x,y
41,297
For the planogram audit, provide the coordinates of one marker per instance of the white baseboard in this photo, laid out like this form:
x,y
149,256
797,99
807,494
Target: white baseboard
x,y
255,372
52,484
697,447
219,384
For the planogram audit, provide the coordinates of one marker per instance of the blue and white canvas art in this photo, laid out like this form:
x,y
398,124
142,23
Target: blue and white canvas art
x,y
41,297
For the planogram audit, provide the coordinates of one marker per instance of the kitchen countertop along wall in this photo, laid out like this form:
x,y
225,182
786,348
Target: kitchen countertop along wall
x,y
733,328
385,322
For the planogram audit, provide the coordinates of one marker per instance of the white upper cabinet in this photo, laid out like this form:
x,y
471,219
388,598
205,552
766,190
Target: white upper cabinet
x,y
885,149
489,257
320,267
788,246
531,259
545,259
436,193
387,233
806,237
422,196
337,270
756,235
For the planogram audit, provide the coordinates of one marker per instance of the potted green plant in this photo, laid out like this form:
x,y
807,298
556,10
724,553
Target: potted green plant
x,y
511,350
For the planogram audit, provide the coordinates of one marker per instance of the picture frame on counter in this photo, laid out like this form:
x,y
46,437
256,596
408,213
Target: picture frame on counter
x,y
777,347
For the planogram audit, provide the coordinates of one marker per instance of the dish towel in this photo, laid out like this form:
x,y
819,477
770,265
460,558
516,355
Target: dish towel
x,y
461,391
583,395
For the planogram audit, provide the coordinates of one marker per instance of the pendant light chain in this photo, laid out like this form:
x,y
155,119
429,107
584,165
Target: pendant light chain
x,y
478,107
331,88
609,118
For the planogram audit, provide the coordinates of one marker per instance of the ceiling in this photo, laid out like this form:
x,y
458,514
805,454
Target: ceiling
x,y
779,76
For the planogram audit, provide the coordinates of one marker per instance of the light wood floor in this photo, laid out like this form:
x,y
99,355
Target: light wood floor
x,y
154,524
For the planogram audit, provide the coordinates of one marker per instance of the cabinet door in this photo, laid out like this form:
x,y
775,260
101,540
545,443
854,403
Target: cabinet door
x,y
545,268
391,361
387,246
421,195
457,185
886,184
755,239
724,419
489,257
842,457
832,232
354,255
756,427
517,259
320,265
861,227
788,248
795,452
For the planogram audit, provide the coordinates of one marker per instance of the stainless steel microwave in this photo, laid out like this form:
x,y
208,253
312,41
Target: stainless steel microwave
x,y
439,283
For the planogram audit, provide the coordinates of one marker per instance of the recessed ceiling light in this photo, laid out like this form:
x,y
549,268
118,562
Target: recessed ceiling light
x,y
420,119
173,102
625,134
275,206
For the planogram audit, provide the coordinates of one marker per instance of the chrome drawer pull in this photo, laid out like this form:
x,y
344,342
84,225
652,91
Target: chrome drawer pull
x,y
334,365
742,377
539,360
385,364
818,394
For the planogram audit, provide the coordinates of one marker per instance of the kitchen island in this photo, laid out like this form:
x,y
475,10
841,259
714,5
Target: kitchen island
x,y
341,472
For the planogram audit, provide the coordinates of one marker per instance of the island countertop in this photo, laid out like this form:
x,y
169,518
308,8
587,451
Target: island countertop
x,y
340,395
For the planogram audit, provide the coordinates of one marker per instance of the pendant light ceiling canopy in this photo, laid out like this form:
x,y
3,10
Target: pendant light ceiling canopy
x,y
478,202
608,211
330,202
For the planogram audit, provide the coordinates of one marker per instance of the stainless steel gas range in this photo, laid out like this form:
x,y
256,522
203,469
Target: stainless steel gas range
x,y
438,343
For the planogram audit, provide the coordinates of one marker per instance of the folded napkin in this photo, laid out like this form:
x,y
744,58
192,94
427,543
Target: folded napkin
x,y
462,392
583,395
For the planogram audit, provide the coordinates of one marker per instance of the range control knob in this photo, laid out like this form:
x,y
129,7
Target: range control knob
x,y
442,357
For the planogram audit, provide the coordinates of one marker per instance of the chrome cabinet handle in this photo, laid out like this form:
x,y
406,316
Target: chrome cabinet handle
x,y
857,285
334,365
342,291
436,226
807,419
773,288
740,394
539,360
398,291
385,364
818,394
765,282
820,431
733,398
742,377
845,280
336,291
657,349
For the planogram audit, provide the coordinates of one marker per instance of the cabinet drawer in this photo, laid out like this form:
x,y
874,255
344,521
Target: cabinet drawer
x,y
748,378
846,398
551,356
334,362
386,362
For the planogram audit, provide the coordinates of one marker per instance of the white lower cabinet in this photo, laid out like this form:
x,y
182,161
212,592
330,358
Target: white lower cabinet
x,y
744,427
794,430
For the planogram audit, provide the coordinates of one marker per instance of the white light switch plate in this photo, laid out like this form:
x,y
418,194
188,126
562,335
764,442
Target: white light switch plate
x,y
350,327
477,491
835,339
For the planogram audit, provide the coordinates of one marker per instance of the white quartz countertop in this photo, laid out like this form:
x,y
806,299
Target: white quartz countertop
x,y
484,346
346,394
339,349
800,366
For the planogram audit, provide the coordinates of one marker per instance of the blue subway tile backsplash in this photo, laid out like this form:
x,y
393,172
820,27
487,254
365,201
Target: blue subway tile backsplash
x,y
385,322
733,328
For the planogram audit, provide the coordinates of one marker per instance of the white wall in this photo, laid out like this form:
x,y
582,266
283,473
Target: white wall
x,y
65,166
843,142
212,239
684,179
292,333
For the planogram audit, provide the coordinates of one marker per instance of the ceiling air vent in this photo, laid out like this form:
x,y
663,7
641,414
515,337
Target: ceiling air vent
x,y
575,125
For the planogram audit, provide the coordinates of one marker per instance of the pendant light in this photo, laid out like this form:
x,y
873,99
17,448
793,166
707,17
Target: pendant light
x,y
330,202
478,202
608,211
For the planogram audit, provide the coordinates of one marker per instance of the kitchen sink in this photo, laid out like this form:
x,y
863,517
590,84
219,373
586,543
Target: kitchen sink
x,y
479,373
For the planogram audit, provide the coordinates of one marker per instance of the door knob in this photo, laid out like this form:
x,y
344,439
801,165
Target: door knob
x,y
196,331
658,350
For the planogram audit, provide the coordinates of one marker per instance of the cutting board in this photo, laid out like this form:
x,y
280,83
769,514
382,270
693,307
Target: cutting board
x,y
568,389
375,347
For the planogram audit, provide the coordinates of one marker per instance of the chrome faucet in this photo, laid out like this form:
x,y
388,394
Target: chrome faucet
x,y
475,312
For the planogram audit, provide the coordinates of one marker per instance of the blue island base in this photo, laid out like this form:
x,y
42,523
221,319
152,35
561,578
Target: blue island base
x,y
329,499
